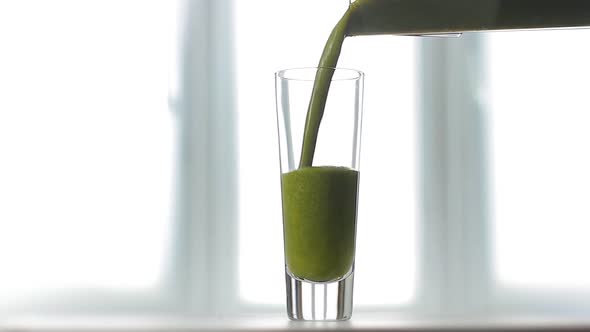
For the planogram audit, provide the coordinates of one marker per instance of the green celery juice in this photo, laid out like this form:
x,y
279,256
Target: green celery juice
x,y
320,203
319,216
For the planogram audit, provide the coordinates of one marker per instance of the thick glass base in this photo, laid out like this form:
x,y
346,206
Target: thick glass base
x,y
320,301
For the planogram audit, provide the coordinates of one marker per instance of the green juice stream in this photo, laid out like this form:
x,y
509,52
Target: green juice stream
x,y
320,203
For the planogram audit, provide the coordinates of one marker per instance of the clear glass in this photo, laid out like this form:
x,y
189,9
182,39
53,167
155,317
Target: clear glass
x,y
320,202
389,152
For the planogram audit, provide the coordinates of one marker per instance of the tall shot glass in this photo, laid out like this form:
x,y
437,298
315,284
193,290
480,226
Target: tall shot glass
x,y
319,201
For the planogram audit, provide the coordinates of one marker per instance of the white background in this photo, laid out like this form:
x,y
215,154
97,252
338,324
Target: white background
x,y
139,162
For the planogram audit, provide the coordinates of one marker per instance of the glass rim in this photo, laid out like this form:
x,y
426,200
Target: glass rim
x,y
354,74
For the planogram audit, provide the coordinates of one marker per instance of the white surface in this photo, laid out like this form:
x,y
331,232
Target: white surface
x,y
359,322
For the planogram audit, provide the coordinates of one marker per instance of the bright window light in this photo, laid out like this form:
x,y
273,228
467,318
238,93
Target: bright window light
x,y
86,145
386,256
539,138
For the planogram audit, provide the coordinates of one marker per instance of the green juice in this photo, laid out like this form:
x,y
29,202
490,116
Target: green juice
x,y
319,216
320,203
